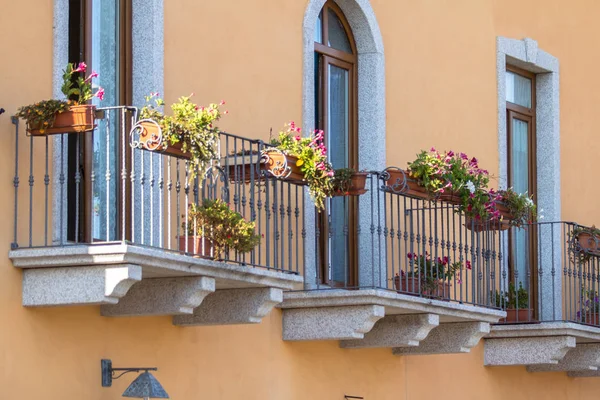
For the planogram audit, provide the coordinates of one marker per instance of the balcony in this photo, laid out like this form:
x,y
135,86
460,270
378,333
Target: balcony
x,y
553,319
100,222
401,295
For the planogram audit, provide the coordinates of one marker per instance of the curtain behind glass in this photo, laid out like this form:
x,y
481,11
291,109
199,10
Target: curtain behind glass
x,y
105,61
520,184
337,131
518,89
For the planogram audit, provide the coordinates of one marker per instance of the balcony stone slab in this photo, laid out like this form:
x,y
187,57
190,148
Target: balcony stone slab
x,y
233,306
396,330
377,318
449,338
541,346
133,280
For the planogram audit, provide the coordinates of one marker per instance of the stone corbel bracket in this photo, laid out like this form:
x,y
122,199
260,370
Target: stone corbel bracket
x,y
78,285
527,350
585,357
449,338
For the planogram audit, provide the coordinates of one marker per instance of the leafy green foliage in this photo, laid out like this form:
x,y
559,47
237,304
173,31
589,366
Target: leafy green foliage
x,y
513,298
76,88
191,125
432,271
342,179
521,206
43,113
312,160
225,228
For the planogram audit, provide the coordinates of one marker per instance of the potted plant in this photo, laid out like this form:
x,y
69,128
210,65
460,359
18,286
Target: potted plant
x,y
73,115
428,277
190,133
301,160
213,228
585,241
590,307
515,302
517,209
348,182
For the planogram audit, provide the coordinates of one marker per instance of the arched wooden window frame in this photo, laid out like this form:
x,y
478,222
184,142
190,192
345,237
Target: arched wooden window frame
x,y
326,56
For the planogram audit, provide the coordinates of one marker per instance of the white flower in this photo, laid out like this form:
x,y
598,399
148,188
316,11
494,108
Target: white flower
x,y
470,186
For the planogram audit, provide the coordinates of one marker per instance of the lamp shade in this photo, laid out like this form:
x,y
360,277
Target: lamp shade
x,y
146,386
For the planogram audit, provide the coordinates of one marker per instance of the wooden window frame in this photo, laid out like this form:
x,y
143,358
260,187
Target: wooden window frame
x,y
124,97
515,111
330,56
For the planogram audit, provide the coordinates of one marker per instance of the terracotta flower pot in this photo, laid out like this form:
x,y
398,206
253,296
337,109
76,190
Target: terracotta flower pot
x,y
197,246
450,197
410,285
79,118
399,181
589,243
591,318
149,138
489,225
283,166
357,185
520,315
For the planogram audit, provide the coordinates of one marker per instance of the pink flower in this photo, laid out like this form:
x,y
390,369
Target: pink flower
x,y
464,156
80,68
450,153
222,102
432,149
297,138
409,256
226,112
100,93
330,173
94,74
468,264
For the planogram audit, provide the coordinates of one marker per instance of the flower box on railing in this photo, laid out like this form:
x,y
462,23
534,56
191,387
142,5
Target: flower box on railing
x,y
283,166
356,185
588,243
417,286
76,119
399,181
150,138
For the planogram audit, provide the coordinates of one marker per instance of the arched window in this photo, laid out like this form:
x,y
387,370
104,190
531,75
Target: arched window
x,y
335,113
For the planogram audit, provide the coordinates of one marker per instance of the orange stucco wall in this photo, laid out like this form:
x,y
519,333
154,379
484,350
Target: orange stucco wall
x,y
441,90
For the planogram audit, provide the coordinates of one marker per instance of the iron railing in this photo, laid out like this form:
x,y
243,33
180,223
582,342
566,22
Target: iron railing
x,y
101,187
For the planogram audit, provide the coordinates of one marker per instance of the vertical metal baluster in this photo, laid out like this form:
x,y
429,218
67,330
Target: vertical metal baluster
x,y
123,172
152,199
161,187
142,196
132,201
186,191
77,182
92,183
392,231
107,176
31,182
15,243
297,215
275,226
252,189
264,238
46,183
282,224
268,222
290,232
178,205
169,209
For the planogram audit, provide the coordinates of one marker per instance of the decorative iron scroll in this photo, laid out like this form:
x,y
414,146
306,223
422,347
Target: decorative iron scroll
x,y
148,134
276,163
395,180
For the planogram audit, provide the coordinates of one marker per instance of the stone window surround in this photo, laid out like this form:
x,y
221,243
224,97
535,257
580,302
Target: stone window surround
x,y
371,106
526,55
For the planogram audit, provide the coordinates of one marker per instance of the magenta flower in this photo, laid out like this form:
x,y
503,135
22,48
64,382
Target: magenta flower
x,y
464,156
81,67
468,264
432,150
297,138
94,74
450,153
100,94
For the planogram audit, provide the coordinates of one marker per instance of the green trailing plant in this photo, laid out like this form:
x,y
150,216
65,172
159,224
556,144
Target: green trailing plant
x,y
342,179
225,228
77,90
312,160
520,205
513,298
193,126
431,271
456,174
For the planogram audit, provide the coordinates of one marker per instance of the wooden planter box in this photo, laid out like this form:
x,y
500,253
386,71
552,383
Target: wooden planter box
x,y
400,179
77,119
196,246
357,185
149,139
520,315
275,163
589,243
410,285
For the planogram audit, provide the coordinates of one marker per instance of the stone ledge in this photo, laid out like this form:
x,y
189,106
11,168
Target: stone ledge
x,y
584,357
155,263
527,350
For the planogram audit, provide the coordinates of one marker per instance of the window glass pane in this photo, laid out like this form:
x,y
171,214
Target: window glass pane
x,y
337,139
105,61
319,28
337,34
518,89
520,183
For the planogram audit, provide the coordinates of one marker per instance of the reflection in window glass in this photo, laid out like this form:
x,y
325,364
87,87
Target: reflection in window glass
x,y
337,34
518,89
105,61
319,29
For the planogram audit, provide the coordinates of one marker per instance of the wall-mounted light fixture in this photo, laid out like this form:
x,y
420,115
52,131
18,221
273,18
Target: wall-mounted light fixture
x,y
145,386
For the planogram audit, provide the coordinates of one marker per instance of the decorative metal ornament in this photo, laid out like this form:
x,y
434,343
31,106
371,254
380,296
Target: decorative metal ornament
x,y
146,134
